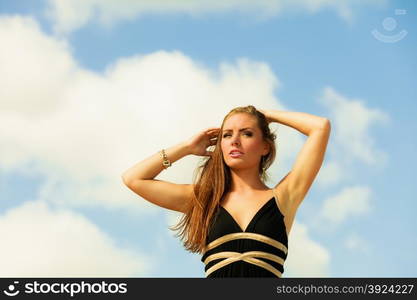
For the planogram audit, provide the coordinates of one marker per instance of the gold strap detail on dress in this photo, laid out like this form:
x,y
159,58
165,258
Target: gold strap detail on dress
x,y
246,235
231,257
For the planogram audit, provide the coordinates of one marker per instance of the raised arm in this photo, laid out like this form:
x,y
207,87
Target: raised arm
x,y
140,179
296,184
150,167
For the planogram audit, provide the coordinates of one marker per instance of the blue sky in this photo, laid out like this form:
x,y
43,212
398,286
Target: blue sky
x,y
82,100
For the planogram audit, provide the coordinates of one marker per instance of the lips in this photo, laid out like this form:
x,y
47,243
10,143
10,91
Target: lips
x,y
235,152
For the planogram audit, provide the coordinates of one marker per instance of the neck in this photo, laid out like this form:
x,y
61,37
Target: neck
x,y
246,181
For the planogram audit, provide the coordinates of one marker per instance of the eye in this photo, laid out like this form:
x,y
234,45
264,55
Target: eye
x,y
247,133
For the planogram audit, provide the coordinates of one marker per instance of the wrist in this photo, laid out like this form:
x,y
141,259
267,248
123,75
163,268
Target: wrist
x,y
185,147
166,163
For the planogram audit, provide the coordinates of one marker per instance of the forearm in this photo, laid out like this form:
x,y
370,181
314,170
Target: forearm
x,y
303,122
150,167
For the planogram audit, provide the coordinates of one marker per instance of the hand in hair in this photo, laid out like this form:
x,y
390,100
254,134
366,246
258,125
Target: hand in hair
x,y
199,143
265,112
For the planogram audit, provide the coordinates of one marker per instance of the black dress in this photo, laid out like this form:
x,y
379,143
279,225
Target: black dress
x,y
258,251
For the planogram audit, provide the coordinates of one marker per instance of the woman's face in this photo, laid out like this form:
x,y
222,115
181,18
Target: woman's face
x,y
241,132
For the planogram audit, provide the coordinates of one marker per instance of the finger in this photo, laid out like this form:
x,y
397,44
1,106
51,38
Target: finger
x,y
211,129
215,131
212,135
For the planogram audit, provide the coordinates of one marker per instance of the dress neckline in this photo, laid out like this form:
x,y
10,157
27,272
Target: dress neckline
x,y
253,218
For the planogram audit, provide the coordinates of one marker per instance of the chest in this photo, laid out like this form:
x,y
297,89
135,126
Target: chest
x,y
244,209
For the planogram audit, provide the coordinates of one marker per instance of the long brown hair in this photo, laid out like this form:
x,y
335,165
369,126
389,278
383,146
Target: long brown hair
x,y
212,180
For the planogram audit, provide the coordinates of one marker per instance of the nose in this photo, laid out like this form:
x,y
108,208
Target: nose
x,y
235,141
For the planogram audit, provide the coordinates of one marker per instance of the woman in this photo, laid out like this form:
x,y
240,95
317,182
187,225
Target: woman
x,y
238,224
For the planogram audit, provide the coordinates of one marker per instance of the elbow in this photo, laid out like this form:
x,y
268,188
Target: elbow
x,y
125,180
326,124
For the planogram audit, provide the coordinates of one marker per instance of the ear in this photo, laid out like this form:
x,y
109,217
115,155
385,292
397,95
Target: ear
x,y
267,149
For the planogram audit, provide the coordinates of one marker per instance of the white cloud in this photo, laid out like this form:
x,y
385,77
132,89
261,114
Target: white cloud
x,y
356,243
350,201
38,241
306,257
33,66
330,173
351,122
71,15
